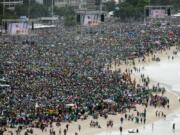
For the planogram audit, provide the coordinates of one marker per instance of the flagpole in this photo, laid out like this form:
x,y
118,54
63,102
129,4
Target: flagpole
x,y
52,7
28,8
3,8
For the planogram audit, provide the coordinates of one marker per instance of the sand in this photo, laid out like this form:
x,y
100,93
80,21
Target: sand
x,y
151,117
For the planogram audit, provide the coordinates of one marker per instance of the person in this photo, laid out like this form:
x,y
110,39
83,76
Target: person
x,y
25,133
120,129
41,66
65,131
67,126
173,127
1,132
59,131
79,127
121,119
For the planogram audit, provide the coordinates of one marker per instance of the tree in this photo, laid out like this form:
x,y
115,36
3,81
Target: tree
x,y
70,20
176,4
68,13
27,2
110,6
36,10
8,14
132,2
21,10
131,9
161,2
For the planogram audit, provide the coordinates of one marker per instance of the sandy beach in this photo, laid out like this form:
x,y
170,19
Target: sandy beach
x,y
151,111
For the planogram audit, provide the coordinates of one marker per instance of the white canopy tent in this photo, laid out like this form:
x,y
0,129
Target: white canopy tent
x,y
176,15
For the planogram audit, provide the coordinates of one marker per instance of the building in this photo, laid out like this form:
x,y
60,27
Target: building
x,y
62,3
71,3
78,4
10,4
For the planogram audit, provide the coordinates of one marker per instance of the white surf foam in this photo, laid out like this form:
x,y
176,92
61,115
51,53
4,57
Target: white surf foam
x,y
166,72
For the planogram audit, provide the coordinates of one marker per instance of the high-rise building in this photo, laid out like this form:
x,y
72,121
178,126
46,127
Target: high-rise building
x,y
77,4
10,4
61,3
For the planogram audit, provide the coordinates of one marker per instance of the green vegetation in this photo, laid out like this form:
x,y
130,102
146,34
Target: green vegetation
x,y
34,10
37,10
131,9
176,4
109,6
8,14
135,8
68,13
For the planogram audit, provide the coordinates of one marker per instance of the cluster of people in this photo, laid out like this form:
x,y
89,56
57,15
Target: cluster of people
x,y
160,114
56,75
95,124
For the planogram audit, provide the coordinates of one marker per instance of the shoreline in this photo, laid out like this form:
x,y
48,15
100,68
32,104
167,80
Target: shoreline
x,y
171,94
151,118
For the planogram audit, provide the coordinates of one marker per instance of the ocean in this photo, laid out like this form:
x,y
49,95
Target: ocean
x,y
167,73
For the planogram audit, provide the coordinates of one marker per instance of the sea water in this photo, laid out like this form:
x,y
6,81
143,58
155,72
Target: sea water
x,y
167,73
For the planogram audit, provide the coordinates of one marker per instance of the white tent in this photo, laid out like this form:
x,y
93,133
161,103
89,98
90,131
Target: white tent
x,y
38,26
4,85
176,15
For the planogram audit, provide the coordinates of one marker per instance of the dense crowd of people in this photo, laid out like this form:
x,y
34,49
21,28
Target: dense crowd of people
x,y
59,75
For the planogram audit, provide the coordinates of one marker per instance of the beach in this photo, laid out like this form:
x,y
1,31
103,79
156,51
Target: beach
x,y
60,82
151,111
166,73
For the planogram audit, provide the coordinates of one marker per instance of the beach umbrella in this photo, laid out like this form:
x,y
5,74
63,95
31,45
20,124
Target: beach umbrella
x,y
142,31
36,105
70,105
170,34
90,78
157,42
109,101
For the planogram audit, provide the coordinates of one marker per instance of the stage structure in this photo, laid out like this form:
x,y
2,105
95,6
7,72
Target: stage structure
x,y
90,20
154,13
25,26
20,26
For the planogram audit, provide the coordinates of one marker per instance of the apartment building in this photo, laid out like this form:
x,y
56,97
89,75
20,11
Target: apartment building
x,y
10,4
63,3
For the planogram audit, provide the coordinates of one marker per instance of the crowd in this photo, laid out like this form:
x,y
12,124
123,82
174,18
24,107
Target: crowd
x,y
59,75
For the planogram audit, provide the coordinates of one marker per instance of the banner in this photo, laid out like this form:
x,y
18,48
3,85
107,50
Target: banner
x,y
18,28
158,13
91,20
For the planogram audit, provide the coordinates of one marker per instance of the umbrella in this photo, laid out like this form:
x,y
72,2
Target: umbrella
x,y
109,101
70,105
157,42
36,105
